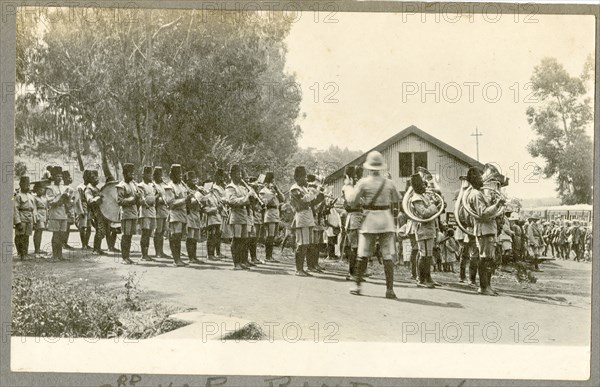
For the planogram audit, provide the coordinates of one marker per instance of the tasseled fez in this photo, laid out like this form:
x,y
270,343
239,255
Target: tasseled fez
x,y
269,177
299,172
416,182
175,170
350,171
358,171
473,174
56,170
158,171
147,170
128,168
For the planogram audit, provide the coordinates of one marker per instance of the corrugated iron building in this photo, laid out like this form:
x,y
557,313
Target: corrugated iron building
x,y
412,148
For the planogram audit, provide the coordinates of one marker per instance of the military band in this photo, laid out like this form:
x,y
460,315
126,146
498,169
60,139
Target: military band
x,y
245,210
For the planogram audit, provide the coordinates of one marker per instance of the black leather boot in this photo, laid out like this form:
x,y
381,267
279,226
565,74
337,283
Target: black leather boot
x,y
388,267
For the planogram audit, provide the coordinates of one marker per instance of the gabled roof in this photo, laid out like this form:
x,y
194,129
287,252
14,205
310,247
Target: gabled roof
x,y
399,136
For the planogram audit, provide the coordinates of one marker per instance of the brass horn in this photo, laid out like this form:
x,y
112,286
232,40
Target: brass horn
x,y
433,193
462,218
493,180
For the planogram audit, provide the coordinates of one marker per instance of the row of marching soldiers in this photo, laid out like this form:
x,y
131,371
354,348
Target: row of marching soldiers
x,y
179,210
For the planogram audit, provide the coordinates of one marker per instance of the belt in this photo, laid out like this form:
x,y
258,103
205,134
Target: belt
x,y
272,207
26,209
354,210
376,208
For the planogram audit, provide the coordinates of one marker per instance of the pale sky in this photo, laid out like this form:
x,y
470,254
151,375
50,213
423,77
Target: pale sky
x,y
379,66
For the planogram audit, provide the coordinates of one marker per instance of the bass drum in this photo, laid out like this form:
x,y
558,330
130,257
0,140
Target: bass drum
x,y
109,208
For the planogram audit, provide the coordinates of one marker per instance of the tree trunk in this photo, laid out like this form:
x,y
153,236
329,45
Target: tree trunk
x,y
105,167
79,158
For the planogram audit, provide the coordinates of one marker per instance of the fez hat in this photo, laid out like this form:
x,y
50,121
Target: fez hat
x,y
299,172
235,168
157,172
56,170
24,180
311,178
472,174
128,168
374,161
190,175
176,170
147,170
219,173
350,171
39,184
66,175
269,177
416,182
358,171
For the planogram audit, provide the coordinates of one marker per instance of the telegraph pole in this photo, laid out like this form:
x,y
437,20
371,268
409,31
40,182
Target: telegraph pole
x,y
477,134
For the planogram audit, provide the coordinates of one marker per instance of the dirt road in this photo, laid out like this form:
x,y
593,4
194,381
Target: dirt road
x,y
555,310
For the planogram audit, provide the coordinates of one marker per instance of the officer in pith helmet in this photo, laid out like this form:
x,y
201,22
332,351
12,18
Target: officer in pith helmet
x,y
377,194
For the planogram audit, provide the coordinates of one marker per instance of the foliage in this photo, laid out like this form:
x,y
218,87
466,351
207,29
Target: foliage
x,y
249,332
160,89
46,306
20,169
560,121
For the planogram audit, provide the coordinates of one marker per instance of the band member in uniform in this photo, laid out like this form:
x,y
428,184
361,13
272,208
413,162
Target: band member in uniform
x,y
213,207
162,213
535,240
93,200
58,197
238,198
70,207
219,191
194,217
129,198
147,216
354,218
24,217
254,225
302,200
485,229
313,250
177,214
377,194
84,221
272,198
41,205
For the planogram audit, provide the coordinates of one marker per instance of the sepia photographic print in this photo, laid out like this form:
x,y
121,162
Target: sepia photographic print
x,y
299,194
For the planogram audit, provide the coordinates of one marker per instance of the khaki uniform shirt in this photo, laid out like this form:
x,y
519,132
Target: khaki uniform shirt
x,y
162,210
56,202
177,205
236,197
148,203
479,203
127,200
376,221
25,210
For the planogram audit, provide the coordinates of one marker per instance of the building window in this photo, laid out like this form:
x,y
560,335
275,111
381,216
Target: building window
x,y
410,161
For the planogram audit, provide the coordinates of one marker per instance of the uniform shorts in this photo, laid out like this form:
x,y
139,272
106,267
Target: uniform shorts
x,y
193,233
426,247
387,245
161,225
57,225
147,223
177,228
487,246
84,220
27,229
239,230
272,229
129,226
304,236
40,225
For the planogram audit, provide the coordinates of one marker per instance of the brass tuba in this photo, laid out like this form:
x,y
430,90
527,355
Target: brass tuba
x,y
433,193
493,181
